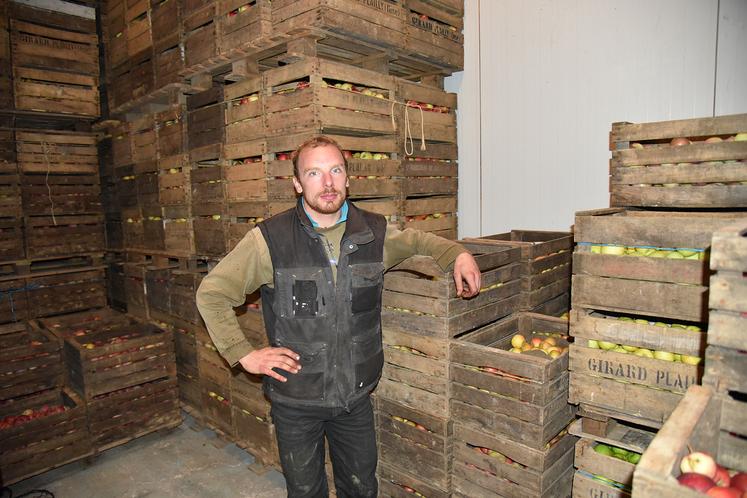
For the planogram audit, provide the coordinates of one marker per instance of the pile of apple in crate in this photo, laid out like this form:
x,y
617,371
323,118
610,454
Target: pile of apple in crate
x,y
473,400
75,385
640,295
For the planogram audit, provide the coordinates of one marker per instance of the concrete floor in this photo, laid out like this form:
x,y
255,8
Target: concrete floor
x,y
189,462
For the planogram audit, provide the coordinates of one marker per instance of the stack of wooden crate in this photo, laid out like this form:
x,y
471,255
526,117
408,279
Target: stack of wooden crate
x,y
123,369
641,281
421,314
6,81
545,267
42,423
725,365
510,409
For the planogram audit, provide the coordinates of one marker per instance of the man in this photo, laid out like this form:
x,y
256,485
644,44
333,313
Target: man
x,y
320,270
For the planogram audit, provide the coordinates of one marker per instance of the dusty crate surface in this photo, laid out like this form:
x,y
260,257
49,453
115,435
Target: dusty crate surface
x,y
396,482
414,425
471,480
692,163
41,432
30,359
701,423
56,152
434,34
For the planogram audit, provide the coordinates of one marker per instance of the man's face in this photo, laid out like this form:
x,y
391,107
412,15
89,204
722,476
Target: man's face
x,y
322,179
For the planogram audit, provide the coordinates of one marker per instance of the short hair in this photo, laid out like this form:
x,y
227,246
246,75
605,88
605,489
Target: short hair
x,y
312,143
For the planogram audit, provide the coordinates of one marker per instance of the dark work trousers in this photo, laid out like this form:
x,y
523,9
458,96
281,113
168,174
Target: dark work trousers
x,y
352,445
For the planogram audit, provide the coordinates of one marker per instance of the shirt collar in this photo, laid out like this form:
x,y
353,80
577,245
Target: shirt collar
x,y
343,213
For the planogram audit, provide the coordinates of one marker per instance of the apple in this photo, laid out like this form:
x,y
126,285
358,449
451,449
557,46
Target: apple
x,y
593,344
739,481
740,137
718,492
596,249
713,140
696,481
517,341
645,353
607,346
633,458
679,141
666,356
282,156
690,360
630,349
603,449
536,342
613,250
722,477
698,462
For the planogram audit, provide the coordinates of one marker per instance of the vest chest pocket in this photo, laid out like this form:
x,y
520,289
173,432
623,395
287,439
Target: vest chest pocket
x,y
366,284
300,292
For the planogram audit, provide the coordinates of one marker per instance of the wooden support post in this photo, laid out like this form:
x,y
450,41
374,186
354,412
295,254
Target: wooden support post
x,y
201,82
243,69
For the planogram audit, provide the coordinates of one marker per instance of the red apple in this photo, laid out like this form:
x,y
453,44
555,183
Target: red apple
x,y
739,481
347,154
282,156
700,463
679,141
722,477
698,482
719,492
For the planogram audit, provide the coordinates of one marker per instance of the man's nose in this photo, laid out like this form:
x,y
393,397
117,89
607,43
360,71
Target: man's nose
x,y
327,179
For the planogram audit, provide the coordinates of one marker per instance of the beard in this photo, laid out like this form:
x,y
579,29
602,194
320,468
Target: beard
x,y
326,207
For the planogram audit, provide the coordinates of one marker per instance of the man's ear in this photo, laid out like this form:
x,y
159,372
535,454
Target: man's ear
x,y
297,185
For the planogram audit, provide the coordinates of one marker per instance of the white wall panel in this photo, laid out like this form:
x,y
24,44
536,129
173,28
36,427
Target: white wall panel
x,y
731,69
556,74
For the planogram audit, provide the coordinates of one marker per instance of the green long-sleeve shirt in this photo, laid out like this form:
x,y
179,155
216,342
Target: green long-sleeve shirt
x,y
249,266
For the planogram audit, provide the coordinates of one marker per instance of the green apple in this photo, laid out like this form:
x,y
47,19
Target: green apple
x,y
593,344
644,353
679,326
740,137
693,328
675,255
620,349
664,355
630,349
607,345
641,321
596,249
677,357
660,253
603,449
690,360
625,319
613,250
645,251
686,253
661,324
634,458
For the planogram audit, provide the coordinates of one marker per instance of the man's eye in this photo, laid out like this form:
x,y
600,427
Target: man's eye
x,y
312,173
337,171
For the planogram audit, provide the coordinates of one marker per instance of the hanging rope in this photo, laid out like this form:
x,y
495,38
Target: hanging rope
x,y
45,150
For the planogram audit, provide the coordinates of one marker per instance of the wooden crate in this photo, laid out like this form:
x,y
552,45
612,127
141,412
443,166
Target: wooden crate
x,y
302,97
482,360
56,152
243,24
102,362
174,181
171,134
206,118
61,194
36,445
511,477
434,34
377,23
64,291
11,239
703,421
430,111
121,144
10,196
533,462
144,143
396,482
688,163
416,372
546,262
31,360
636,284
120,416
166,24
201,42
420,298
120,86
139,34
217,408
255,431
55,68
158,289
470,480
435,467
589,461
728,312
8,151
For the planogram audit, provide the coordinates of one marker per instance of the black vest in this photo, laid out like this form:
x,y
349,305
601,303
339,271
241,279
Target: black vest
x,y
334,327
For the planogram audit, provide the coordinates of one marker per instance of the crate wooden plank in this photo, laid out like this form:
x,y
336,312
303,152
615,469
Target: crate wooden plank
x,y
728,291
729,249
471,481
726,329
725,369
586,485
696,127
629,227
627,401
587,459
528,434
435,466
31,360
615,433
396,482
686,196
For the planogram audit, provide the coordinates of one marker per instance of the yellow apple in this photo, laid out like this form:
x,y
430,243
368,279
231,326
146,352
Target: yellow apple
x,y
518,340
664,355
690,360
